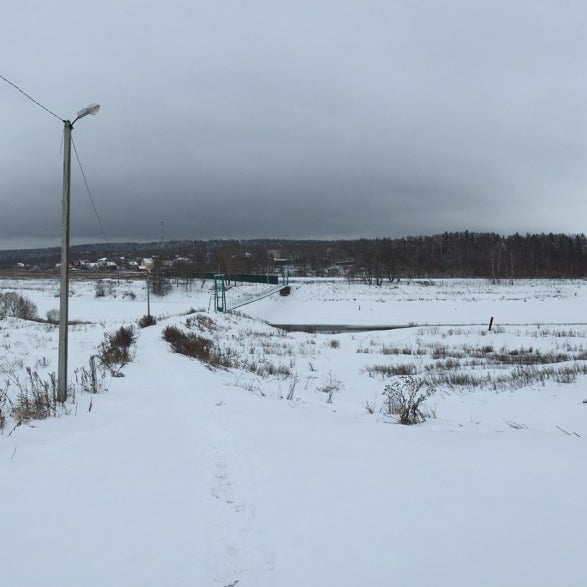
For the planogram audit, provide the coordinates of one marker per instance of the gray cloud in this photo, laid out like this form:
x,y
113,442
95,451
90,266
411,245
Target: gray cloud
x,y
310,119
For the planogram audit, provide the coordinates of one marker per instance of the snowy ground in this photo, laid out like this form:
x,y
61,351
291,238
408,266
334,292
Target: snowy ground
x,y
184,475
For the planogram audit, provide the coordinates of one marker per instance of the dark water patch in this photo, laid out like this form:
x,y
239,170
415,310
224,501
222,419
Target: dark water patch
x,y
338,328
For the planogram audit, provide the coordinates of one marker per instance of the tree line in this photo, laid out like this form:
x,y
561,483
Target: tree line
x,y
467,254
451,254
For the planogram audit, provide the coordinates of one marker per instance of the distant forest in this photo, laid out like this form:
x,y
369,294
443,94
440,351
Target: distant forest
x,y
452,254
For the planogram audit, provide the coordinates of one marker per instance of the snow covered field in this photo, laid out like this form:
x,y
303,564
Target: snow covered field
x,y
180,474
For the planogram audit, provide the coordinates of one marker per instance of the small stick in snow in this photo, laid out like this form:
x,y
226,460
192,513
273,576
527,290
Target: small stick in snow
x,y
15,427
567,433
516,426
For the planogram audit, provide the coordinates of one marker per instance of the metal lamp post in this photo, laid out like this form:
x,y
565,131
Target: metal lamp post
x,y
64,288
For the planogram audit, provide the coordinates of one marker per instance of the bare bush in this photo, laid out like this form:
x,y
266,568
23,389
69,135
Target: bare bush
x,y
147,320
53,316
99,289
404,399
332,385
116,348
16,306
124,337
160,284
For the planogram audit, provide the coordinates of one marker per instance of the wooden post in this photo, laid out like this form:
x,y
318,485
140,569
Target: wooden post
x,y
490,323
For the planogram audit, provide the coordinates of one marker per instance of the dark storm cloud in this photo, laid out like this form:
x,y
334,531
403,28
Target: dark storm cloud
x,y
309,119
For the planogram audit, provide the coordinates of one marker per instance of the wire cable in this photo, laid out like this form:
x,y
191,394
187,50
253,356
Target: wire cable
x,y
74,148
31,98
89,192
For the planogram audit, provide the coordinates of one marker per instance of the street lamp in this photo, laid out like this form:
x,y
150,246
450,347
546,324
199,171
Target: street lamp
x,y
64,288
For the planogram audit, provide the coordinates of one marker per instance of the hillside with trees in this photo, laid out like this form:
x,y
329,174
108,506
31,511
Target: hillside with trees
x,y
452,254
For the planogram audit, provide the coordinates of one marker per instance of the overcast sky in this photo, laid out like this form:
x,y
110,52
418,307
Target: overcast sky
x,y
306,118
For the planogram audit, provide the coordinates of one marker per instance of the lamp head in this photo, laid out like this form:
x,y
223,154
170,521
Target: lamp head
x,y
91,109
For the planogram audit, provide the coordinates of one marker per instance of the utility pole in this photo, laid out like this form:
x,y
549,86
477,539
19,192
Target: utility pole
x,y
64,286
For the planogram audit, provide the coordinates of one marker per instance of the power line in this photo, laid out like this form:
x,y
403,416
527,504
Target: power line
x,y
74,148
89,192
31,98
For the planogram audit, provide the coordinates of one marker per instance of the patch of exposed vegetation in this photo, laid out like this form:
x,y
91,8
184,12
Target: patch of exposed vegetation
x,y
147,320
116,349
196,346
404,399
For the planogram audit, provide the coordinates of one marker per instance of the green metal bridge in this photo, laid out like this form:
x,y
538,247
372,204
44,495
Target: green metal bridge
x,y
220,288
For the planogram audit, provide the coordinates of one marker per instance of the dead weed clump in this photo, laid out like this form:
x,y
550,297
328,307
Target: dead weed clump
x,y
91,379
196,346
36,398
147,320
404,399
116,348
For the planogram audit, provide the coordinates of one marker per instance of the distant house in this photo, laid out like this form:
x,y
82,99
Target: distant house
x,y
147,264
81,264
105,264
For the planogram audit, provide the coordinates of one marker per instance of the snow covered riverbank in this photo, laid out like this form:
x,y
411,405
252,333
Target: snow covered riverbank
x,y
184,475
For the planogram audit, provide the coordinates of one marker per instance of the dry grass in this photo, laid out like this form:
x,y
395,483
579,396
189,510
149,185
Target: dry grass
x,y
36,398
486,365
196,346
391,370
